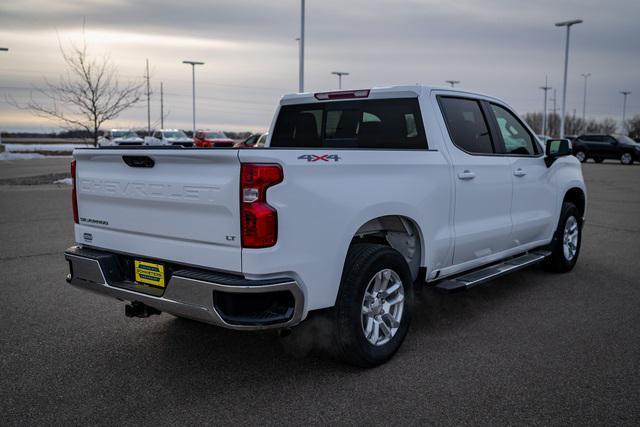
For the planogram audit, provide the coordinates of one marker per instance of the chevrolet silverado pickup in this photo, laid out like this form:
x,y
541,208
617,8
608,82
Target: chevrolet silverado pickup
x,y
357,198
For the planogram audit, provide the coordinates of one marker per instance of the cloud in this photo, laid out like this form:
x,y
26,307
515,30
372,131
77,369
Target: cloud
x,y
500,47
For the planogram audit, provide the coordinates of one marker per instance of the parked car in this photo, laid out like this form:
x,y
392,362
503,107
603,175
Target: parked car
x,y
114,137
254,141
169,137
361,195
210,139
606,146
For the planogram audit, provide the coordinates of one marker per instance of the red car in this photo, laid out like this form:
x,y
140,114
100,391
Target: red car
x,y
210,139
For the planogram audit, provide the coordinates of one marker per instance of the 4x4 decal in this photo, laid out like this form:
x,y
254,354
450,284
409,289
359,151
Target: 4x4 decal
x,y
322,157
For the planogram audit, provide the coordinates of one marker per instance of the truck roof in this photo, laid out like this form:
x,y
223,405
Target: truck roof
x,y
400,91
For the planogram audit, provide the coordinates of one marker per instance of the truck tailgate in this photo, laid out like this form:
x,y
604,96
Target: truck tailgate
x,y
181,207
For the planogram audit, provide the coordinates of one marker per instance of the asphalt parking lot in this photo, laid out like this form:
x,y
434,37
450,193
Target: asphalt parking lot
x,y
530,348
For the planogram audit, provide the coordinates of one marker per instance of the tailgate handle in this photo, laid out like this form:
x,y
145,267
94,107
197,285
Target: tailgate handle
x,y
139,161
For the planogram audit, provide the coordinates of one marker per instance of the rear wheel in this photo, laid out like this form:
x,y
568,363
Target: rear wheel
x,y
568,237
581,156
626,159
371,316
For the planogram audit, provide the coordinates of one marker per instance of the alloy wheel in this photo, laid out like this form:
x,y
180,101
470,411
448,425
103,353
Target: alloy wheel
x,y
382,307
570,238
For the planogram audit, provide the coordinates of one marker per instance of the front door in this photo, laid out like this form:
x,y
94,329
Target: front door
x,y
534,193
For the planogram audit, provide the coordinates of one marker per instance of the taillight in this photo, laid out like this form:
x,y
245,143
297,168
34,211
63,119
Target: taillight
x,y
259,220
74,197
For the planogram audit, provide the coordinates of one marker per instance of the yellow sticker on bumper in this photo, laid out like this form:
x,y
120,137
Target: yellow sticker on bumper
x,y
149,273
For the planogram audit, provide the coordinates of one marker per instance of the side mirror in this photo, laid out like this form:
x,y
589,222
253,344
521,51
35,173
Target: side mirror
x,y
557,148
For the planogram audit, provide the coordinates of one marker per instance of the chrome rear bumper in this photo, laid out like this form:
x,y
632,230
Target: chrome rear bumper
x,y
189,293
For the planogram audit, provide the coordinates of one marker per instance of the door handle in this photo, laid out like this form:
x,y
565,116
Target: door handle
x,y
466,175
519,172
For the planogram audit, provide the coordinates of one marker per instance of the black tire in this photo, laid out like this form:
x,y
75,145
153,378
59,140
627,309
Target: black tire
x,y
581,155
598,160
626,158
558,261
363,262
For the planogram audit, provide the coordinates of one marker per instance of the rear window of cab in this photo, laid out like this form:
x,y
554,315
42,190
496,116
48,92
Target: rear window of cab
x,y
371,124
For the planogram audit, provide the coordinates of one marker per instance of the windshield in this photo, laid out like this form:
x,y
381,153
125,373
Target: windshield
x,y
124,134
215,135
625,139
174,134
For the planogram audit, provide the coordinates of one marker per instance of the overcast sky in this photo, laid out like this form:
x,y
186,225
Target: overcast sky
x,y
500,47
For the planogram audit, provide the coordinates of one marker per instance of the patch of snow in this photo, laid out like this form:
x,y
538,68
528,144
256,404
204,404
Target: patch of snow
x,y
44,147
64,181
7,155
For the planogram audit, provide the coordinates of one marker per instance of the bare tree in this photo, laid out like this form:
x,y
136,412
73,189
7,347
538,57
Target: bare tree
x,y
632,126
575,125
608,125
89,94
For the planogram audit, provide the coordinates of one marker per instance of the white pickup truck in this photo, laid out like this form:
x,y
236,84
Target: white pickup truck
x,y
169,137
358,197
113,137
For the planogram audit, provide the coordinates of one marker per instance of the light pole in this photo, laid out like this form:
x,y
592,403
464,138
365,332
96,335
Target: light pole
x,y
567,24
301,51
148,101
340,74
3,49
193,84
624,93
584,102
452,82
545,88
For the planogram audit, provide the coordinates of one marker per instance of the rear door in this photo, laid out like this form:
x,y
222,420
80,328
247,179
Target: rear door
x,y
597,146
483,183
176,205
533,208
610,147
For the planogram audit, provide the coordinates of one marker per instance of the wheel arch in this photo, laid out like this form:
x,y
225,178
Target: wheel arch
x,y
399,232
576,196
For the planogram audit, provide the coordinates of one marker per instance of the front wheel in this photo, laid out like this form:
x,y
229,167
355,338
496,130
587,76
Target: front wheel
x,y
581,156
372,316
626,159
568,237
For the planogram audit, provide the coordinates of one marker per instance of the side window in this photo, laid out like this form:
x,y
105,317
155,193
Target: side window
x,y
252,140
467,126
517,140
610,140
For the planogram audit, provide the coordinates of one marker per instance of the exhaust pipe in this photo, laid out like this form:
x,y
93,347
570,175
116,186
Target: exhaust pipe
x,y
138,309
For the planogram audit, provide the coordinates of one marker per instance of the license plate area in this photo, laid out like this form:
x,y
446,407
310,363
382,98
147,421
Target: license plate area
x,y
149,273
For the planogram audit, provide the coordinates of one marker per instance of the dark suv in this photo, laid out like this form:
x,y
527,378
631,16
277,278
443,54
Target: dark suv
x,y
599,147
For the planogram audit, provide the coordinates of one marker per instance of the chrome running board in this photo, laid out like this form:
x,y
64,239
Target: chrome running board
x,y
485,274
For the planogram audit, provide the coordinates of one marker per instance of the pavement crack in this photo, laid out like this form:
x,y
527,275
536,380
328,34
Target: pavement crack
x,y
609,227
30,256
